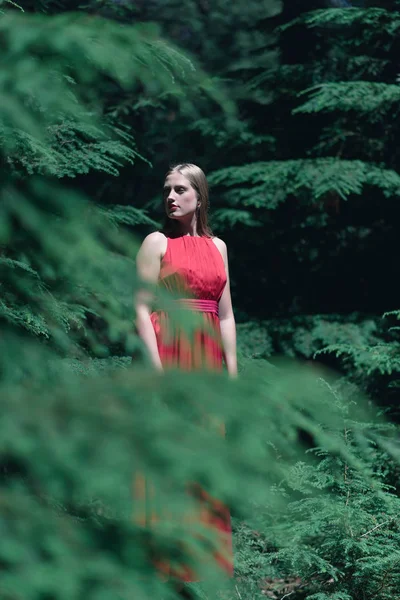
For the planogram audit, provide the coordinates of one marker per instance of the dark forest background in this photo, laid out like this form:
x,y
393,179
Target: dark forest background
x,y
291,108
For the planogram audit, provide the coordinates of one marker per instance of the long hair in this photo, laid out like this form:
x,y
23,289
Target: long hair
x,y
198,181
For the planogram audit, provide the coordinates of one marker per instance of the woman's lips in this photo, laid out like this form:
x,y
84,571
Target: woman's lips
x,y
173,207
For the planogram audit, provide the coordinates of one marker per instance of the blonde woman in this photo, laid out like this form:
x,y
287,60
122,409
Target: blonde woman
x,y
186,258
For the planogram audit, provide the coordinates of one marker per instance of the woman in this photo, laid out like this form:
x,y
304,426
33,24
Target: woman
x,y
186,258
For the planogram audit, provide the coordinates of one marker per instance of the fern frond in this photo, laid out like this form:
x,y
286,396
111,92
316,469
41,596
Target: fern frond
x,y
25,317
267,184
17,264
374,18
359,96
381,358
225,218
127,215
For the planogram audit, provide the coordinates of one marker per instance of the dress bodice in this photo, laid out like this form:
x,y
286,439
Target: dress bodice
x,y
194,267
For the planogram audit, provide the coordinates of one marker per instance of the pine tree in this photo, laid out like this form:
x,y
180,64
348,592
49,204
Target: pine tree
x,y
326,205
329,202
56,123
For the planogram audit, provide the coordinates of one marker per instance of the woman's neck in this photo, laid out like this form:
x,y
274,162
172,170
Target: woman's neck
x,y
189,228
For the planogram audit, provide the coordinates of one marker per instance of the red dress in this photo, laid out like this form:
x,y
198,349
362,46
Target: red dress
x,y
193,267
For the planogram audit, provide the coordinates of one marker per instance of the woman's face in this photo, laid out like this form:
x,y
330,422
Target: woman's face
x,y
180,198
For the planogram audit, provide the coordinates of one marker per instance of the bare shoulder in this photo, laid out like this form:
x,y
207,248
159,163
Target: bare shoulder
x,y
155,238
154,243
220,245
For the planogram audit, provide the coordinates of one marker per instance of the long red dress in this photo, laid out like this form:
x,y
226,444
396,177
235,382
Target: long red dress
x,y
193,267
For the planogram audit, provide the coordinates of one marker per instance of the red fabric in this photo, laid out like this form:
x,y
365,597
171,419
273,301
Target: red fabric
x,y
193,267
199,305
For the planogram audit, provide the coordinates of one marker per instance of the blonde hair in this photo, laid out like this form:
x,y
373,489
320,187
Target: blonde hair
x,y
198,181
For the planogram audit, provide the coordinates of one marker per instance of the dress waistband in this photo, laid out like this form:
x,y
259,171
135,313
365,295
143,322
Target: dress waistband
x,y
210,306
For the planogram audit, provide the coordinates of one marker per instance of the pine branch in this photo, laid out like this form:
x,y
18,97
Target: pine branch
x,y
359,96
266,185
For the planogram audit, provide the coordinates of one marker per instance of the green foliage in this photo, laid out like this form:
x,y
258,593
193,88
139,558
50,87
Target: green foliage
x,y
54,122
73,443
358,96
86,93
347,548
90,147
305,336
127,215
235,47
266,185
70,463
382,357
52,118
338,534
375,20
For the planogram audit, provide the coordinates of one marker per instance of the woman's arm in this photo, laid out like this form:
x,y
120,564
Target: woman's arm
x,y
226,317
148,262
